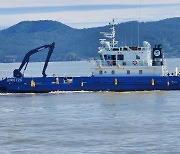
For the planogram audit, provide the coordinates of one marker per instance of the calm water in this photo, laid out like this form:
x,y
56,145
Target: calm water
x,y
88,122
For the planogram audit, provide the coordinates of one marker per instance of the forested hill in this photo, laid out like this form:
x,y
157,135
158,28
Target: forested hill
x,y
75,44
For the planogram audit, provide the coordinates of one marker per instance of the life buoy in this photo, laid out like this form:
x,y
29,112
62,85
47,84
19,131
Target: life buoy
x,y
135,62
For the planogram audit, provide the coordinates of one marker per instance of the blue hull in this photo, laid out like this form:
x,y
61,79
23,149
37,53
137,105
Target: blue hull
x,y
49,84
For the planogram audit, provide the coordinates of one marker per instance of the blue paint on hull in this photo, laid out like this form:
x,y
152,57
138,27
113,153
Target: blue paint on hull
x,y
48,84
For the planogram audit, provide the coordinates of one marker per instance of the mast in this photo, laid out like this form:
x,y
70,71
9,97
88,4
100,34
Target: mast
x,y
113,34
139,21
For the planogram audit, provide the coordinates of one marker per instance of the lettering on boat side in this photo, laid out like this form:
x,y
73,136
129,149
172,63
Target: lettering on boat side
x,y
14,79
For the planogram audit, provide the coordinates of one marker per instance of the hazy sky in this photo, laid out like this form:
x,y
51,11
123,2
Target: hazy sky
x,y
86,13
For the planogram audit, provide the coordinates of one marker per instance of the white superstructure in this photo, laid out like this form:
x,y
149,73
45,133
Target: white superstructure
x,y
128,60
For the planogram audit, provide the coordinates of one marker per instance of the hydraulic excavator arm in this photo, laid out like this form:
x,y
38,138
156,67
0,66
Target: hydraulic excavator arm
x,y
17,72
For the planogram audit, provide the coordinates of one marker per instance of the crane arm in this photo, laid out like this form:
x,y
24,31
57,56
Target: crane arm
x,y
17,72
51,48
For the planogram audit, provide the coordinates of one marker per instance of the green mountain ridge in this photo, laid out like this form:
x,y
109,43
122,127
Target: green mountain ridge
x,y
76,44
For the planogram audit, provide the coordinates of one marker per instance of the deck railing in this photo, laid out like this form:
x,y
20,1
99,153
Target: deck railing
x,y
121,63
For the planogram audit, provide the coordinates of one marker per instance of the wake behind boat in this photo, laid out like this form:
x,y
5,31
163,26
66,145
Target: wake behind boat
x,y
120,68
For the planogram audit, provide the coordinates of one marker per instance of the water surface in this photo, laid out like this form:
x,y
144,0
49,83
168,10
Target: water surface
x,y
88,122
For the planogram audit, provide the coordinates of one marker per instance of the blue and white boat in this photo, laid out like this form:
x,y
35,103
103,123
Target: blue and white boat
x,y
120,68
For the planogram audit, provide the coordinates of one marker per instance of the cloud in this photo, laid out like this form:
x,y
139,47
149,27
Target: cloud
x,y
94,18
86,13
30,3
49,9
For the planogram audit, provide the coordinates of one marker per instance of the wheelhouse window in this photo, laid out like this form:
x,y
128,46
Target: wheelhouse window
x,y
128,72
115,49
101,57
109,57
120,57
137,57
105,57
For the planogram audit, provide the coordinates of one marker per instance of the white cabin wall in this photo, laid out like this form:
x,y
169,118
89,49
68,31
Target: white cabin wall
x,y
130,56
146,71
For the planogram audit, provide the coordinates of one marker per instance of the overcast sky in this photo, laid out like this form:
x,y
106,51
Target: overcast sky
x,y
86,13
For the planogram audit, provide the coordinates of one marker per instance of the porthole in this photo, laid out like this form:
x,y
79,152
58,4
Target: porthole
x,y
140,71
100,72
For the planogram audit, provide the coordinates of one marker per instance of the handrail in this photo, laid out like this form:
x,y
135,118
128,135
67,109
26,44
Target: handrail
x,y
112,63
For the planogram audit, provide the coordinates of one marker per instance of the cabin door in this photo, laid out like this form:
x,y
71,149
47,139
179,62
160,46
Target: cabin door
x,y
114,59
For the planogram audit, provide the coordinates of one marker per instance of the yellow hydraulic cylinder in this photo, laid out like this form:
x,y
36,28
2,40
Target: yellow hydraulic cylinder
x,y
33,84
57,80
115,81
152,82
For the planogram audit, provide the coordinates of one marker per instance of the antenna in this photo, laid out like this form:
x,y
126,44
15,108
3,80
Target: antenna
x,y
139,20
113,33
131,32
125,39
122,40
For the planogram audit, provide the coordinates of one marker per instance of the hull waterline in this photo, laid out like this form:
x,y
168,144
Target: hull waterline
x,y
118,84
